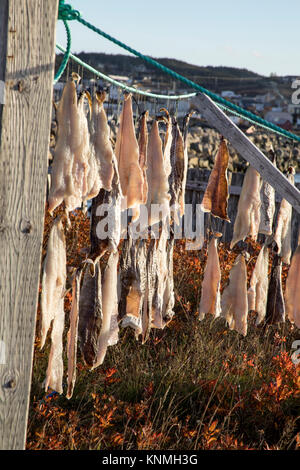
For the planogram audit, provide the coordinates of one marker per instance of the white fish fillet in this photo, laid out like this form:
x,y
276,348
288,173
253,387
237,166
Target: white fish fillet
x,y
292,291
100,143
283,230
258,291
54,278
109,308
248,211
234,302
210,292
127,153
73,333
158,185
52,304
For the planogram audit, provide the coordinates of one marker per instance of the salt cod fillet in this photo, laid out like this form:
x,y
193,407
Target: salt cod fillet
x,y
185,126
282,235
90,314
52,304
292,291
167,141
158,185
54,278
143,144
73,333
109,306
258,291
216,194
234,301
210,292
275,312
267,208
101,146
127,153
248,211
178,166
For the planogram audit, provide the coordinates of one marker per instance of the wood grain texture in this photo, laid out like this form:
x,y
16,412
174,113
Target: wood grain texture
x,y
247,150
24,130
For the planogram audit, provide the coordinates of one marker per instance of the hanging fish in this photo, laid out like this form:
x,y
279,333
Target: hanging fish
x,y
257,293
178,166
143,144
210,291
167,141
127,153
151,275
105,230
73,333
275,312
158,186
185,126
109,328
248,210
101,148
90,313
292,291
267,208
234,302
282,236
52,303
216,194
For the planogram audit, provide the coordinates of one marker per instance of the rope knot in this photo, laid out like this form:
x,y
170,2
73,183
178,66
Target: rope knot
x,y
67,12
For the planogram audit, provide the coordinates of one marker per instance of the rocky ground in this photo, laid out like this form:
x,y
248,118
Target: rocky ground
x,y
203,144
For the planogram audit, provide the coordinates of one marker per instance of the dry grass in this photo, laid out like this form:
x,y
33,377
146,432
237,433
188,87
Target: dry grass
x,y
193,385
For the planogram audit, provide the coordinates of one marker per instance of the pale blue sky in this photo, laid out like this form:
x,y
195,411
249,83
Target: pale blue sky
x,y
260,35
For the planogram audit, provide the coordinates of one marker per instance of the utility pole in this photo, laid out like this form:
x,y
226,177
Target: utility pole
x,y
27,56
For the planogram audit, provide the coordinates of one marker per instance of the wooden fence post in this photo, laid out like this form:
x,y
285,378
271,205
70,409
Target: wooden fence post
x,y
27,46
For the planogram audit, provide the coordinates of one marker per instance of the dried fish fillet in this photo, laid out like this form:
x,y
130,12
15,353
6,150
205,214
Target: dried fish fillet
x,y
292,291
127,153
178,166
73,333
267,208
210,292
143,144
258,291
216,194
275,312
167,141
109,306
248,211
158,187
234,302
90,314
283,230
54,278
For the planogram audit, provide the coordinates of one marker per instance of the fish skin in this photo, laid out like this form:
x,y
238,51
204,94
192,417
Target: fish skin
x,y
167,141
151,270
267,208
53,278
52,304
215,198
275,312
127,153
158,186
292,290
258,290
185,126
143,144
90,314
178,165
72,334
248,211
283,231
109,307
210,292
234,301
101,147
113,217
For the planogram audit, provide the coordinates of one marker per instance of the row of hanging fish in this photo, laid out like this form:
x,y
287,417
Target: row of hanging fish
x,y
138,173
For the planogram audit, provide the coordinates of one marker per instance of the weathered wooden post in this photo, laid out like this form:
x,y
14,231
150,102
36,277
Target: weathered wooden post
x,y
27,42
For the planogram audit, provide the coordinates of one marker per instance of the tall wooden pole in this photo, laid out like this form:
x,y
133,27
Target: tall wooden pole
x,y
27,46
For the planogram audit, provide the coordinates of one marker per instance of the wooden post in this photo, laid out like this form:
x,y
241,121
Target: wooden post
x,y
218,119
27,46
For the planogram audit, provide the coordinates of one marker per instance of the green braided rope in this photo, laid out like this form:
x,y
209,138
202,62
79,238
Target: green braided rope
x,y
122,85
67,53
251,117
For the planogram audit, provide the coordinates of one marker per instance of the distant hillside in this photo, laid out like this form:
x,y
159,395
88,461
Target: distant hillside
x,y
216,79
